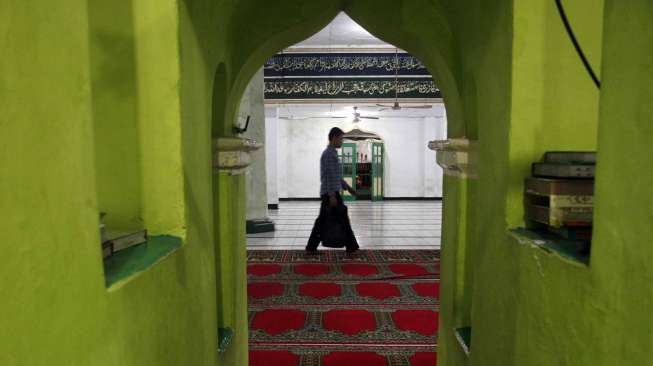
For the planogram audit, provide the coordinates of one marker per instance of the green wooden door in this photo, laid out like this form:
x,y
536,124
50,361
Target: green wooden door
x,y
347,156
377,171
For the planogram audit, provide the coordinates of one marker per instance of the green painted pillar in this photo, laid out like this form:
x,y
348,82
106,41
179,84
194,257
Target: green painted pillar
x,y
455,283
230,161
231,262
458,158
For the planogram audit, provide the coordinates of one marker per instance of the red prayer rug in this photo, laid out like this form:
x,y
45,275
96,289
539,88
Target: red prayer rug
x,y
342,271
266,294
374,308
339,256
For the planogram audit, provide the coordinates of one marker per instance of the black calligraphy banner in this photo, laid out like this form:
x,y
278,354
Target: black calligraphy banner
x,y
344,64
349,88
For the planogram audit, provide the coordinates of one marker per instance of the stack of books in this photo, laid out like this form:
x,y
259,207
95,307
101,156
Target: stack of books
x,y
114,241
559,196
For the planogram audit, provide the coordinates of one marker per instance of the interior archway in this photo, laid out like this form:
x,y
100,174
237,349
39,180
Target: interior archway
x,y
428,36
434,33
250,51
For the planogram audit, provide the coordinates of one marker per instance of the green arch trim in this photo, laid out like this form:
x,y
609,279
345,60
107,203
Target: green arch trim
x,y
273,27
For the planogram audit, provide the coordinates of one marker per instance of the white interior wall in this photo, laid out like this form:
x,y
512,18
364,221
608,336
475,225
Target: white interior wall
x,y
410,169
435,128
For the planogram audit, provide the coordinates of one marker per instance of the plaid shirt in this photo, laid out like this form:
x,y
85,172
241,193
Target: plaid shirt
x,y
330,172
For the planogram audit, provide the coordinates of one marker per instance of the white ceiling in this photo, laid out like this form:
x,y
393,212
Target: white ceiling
x,y
347,110
343,32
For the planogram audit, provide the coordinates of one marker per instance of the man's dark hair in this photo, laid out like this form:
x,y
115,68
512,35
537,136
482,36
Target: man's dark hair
x,y
335,132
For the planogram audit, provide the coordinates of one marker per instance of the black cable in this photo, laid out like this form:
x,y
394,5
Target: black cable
x,y
570,32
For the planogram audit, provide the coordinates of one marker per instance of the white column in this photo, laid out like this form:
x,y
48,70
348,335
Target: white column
x,y
271,152
252,105
283,155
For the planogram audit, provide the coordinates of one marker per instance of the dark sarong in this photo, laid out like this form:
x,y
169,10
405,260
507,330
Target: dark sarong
x,y
332,227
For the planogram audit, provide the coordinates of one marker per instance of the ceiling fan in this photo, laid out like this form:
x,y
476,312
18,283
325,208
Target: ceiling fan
x,y
396,106
357,117
292,118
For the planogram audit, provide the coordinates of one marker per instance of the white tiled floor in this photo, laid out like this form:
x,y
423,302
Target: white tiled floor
x,y
377,225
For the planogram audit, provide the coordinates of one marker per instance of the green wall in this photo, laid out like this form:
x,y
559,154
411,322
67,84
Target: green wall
x,y
530,307
135,111
555,104
510,79
624,209
115,114
56,308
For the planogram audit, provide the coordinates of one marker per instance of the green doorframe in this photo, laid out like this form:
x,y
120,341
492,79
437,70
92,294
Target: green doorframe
x,y
348,160
378,171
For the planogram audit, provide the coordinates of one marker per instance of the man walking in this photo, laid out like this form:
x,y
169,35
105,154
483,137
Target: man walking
x,y
330,184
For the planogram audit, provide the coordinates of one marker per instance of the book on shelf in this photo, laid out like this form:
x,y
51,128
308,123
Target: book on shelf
x,y
563,170
107,250
559,187
560,216
579,157
119,240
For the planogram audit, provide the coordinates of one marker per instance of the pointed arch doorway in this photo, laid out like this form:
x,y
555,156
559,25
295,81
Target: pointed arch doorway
x,y
362,158
253,33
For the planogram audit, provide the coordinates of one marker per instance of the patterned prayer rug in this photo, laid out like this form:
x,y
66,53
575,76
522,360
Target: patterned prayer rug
x,y
334,265
339,256
264,294
372,308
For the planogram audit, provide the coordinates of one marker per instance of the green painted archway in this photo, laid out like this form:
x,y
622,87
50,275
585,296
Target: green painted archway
x,y
253,31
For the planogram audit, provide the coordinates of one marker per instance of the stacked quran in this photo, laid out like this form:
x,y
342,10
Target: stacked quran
x,y
559,197
114,241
